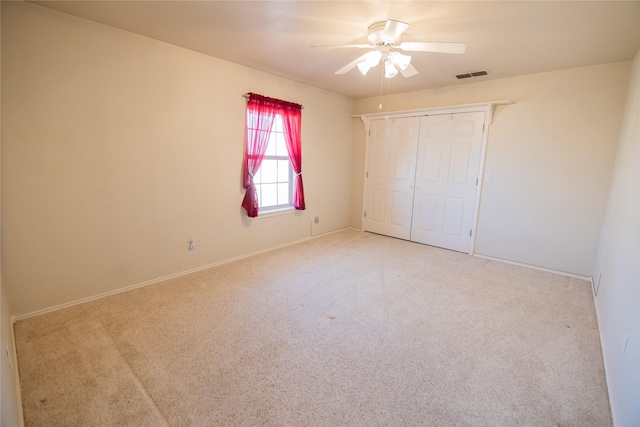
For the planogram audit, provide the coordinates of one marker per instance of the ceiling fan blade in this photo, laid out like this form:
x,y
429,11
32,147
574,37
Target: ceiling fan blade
x,y
351,65
359,46
393,30
409,71
433,47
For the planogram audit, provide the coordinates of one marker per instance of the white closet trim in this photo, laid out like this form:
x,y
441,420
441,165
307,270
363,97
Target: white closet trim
x,y
489,107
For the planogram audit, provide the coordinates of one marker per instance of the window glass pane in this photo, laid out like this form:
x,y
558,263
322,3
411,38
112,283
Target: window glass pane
x,y
283,170
257,178
250,134
271,148
277,124
273,179
252,118
283,194
269,194
268,170
281,146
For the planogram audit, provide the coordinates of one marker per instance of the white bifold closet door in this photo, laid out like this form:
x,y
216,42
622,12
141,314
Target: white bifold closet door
x,y
391,171
444,203
422,178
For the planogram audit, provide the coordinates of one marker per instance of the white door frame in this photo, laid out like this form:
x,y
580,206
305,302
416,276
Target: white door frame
x,y
486,107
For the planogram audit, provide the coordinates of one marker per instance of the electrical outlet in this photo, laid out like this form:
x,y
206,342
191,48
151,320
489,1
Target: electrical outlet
x,y
192,244
316,218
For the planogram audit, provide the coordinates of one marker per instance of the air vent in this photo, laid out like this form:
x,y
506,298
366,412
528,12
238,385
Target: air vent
x,y
469,75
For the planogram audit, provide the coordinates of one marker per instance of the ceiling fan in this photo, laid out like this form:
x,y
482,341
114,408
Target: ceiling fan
x,y
383,37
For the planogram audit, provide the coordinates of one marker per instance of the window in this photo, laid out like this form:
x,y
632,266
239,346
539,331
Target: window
x,y
274,178
273,157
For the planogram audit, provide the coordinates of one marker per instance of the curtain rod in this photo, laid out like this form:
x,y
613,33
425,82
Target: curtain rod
x,y
247,95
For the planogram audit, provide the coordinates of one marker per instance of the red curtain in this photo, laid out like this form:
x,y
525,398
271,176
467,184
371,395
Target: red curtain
x,y
261,111
292,119
260,116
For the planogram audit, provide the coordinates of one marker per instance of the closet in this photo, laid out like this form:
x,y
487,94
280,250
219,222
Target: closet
x,y
422,175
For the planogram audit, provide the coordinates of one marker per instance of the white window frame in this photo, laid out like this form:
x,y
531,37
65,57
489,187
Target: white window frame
x,y
274,133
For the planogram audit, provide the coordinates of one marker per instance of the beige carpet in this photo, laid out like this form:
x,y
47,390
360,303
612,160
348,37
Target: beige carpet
x,y
349,329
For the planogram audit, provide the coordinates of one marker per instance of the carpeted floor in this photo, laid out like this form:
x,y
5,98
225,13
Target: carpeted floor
x,y
349,329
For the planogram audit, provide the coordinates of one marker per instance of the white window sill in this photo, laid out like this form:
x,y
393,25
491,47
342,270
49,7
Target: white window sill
x,y
275,212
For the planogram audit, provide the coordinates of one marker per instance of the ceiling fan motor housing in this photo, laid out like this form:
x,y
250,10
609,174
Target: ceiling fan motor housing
x,y
386,32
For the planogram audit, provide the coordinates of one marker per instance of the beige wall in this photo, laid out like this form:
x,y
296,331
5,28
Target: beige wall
x,y
550,155
618,298
9,400
118,148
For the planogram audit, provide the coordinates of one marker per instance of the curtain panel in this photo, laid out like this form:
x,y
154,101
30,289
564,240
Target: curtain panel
x,y
261,112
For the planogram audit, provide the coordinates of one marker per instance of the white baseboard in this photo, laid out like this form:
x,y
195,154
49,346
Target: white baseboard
x,y
168,277
612,404
16,372
535,267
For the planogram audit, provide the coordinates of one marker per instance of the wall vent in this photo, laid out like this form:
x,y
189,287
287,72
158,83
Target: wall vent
x,y
473,74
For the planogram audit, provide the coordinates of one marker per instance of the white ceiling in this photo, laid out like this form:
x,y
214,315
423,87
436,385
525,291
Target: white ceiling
x,y
506,38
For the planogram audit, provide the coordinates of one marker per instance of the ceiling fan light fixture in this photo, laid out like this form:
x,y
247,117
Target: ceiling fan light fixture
x,y
390,70
370,60
364,68
399,60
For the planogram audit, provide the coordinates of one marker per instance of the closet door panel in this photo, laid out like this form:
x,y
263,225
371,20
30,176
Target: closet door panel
x,y
430,171
459,164
377,206
390,176
453,216
428,207
447,167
